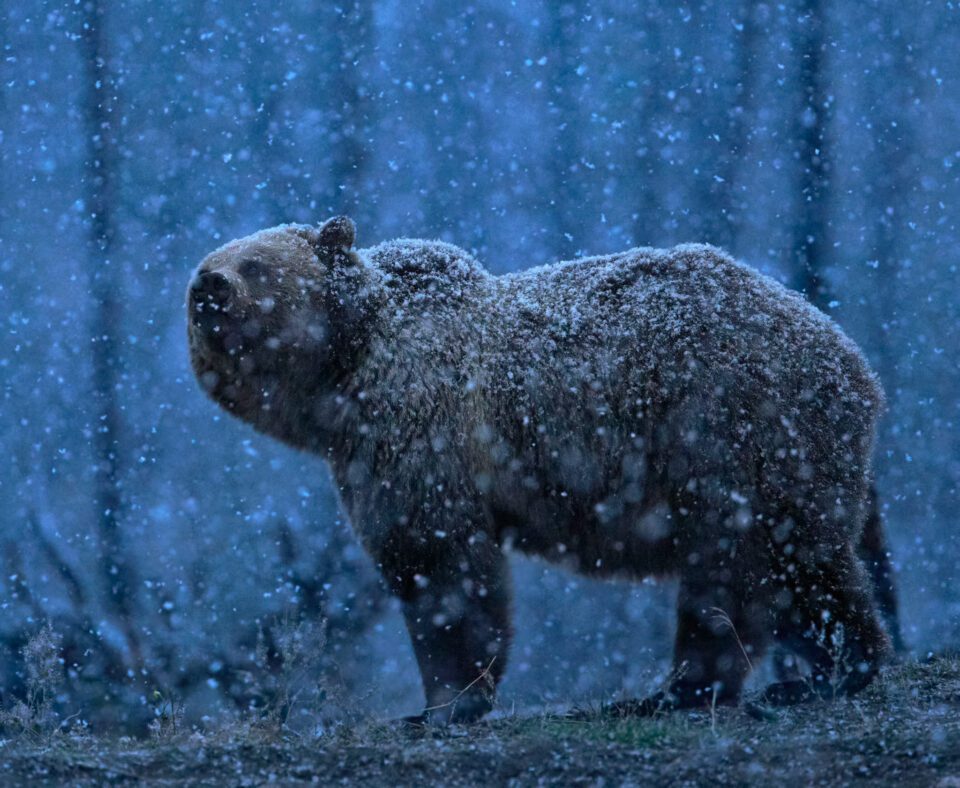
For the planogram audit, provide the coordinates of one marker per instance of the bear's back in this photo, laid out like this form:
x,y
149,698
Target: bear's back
x,y
670,312
669,292
654,286
656,301
645,312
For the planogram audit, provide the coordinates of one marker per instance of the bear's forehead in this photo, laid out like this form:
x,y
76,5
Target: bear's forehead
x,y
272,242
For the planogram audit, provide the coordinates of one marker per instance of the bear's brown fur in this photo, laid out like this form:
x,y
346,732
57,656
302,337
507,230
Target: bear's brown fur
x,y
648,412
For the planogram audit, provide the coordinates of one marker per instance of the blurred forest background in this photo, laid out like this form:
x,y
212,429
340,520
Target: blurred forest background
x,y
175,551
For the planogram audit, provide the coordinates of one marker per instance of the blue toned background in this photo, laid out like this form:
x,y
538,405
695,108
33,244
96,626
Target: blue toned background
x,y
817,141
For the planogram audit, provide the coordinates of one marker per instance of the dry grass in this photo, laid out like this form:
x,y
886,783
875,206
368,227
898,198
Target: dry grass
x,y
904,729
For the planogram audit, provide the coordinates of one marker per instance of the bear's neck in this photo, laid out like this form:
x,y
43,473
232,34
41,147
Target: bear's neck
x,y
310,401
289,398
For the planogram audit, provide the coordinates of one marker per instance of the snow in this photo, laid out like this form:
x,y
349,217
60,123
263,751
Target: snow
x,y
524,133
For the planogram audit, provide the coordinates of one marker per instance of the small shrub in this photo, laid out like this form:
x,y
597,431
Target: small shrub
x,y
286,675
167,719
44,667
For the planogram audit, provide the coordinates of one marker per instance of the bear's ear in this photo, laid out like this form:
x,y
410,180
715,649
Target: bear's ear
x,y
337,234
331,240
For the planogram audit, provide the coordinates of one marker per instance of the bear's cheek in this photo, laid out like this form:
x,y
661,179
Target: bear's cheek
x,y
207,330
232,342
317,331
209,379
252,328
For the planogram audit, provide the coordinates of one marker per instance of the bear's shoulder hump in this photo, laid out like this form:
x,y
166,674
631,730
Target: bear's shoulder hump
x,y
410,258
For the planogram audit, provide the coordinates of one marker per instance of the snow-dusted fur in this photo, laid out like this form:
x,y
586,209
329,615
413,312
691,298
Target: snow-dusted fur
x,y
648,412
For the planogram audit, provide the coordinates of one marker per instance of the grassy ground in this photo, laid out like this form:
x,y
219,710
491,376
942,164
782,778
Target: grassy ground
x,y
904,730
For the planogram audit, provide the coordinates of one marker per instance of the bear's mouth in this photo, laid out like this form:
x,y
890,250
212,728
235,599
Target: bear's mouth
x,y
209,308
208,316
216,325
210,303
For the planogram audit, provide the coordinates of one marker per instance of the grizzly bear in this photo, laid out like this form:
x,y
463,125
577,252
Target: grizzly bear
x,y
652,412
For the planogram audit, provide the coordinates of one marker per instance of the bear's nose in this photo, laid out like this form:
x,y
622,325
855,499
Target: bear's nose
x,y
210,287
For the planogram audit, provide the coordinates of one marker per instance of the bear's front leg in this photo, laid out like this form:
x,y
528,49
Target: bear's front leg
x,y
458,618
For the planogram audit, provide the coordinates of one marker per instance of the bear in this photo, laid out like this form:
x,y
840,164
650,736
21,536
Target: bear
x,y
647,413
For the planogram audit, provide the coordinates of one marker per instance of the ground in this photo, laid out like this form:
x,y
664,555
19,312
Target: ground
x,y
904,730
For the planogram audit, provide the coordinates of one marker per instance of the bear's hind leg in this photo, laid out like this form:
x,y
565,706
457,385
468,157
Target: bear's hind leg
x,y
833,625
721,634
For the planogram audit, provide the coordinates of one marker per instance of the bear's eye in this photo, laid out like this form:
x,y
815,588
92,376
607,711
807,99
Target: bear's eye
x,y
252,269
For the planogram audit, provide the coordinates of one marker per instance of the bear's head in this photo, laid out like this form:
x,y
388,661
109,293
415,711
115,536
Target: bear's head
x,y
269,311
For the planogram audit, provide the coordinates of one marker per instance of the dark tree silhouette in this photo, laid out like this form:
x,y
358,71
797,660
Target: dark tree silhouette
x,y
811,127
729,189
101,121
262,75
348,103
890,95
564,152
648,111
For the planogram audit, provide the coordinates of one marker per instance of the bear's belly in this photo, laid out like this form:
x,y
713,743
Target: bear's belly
x,y
636,541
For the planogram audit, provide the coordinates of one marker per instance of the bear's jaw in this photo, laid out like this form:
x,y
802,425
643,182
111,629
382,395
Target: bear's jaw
x,y
289,393
215,332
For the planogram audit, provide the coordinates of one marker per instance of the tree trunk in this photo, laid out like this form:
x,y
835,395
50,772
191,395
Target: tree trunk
x,y
101,119
810,231
564,156
890,114
353,30
648,113
728,207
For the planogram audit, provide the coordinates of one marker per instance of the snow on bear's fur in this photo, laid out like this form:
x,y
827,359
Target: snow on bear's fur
x,y
647,412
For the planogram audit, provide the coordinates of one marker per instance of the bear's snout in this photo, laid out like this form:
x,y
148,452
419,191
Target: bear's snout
x,y
210,289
